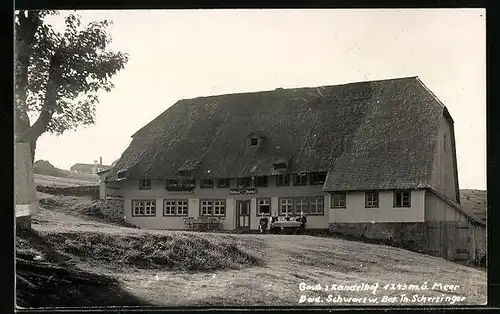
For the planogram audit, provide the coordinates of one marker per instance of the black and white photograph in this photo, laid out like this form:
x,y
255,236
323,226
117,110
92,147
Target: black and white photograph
x,y
250,157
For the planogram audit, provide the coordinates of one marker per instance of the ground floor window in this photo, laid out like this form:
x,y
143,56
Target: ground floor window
x,y
219,207
286,206
175,207
263,206
402,199
213,207
143,208
316,206
371,199
301,205
338,200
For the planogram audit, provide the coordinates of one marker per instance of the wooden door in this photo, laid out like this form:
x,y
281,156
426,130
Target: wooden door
x,y
243,215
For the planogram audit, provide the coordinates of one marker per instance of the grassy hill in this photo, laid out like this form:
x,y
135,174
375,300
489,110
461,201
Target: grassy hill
x,y
46,174
474,201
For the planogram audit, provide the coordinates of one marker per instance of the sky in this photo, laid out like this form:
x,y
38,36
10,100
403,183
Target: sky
x,y
179,54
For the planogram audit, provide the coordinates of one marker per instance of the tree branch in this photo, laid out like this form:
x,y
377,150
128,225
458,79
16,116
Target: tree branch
x,y
50,101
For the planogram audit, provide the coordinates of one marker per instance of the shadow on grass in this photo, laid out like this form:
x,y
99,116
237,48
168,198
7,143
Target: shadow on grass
x,y
61,284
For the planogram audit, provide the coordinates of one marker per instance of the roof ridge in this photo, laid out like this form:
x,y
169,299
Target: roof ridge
x,y
295,88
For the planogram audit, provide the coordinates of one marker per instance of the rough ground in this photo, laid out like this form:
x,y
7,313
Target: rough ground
x,y
169,268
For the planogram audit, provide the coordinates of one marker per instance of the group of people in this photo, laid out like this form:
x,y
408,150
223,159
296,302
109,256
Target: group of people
x,y
264,221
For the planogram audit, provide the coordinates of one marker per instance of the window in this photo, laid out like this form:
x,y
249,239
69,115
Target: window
x,y
169,207
261,181
219,207
263,206
223,183
371,200
338,200
189,183
254,141
171,183
122,174
144,208
207,183
144,184
182,207
318,178
279,166
301,205
300,179
402,199
286,206
244,182
213,207
173,207
283,180
316,205
206,207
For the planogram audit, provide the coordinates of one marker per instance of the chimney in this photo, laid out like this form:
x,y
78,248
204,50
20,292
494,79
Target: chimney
x,y
100,161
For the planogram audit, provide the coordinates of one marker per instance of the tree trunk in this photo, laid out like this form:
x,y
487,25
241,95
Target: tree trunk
x,y
26,202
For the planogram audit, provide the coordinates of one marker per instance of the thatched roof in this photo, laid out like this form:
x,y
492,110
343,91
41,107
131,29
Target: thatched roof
x,y
367,135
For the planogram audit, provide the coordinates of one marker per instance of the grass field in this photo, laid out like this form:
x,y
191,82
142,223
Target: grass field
x,y
75,180
167,268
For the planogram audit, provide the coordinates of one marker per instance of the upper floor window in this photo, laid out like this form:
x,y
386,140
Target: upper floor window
x,y
189,183
223,183
244,182
145,184
261,181
171,183
206,183
317,177
300,179
402,199
283,180
338,200
371,199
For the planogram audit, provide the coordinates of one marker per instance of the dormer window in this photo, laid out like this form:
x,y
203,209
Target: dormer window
x,y
122,175
317,178
255,139
280,166
144,184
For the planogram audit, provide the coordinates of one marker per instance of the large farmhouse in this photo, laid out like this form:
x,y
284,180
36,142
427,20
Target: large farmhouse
x,y
369,152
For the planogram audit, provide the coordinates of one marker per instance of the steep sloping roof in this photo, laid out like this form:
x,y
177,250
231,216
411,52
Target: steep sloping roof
x,y
378,134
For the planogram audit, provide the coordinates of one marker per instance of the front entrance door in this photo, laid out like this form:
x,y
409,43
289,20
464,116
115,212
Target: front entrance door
x,y
243,215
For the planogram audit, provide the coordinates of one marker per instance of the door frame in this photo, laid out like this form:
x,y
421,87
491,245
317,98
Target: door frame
x,y
238,227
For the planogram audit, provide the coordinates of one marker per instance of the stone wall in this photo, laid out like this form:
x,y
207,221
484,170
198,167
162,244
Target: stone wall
x,y
114,208
88,190
411,236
